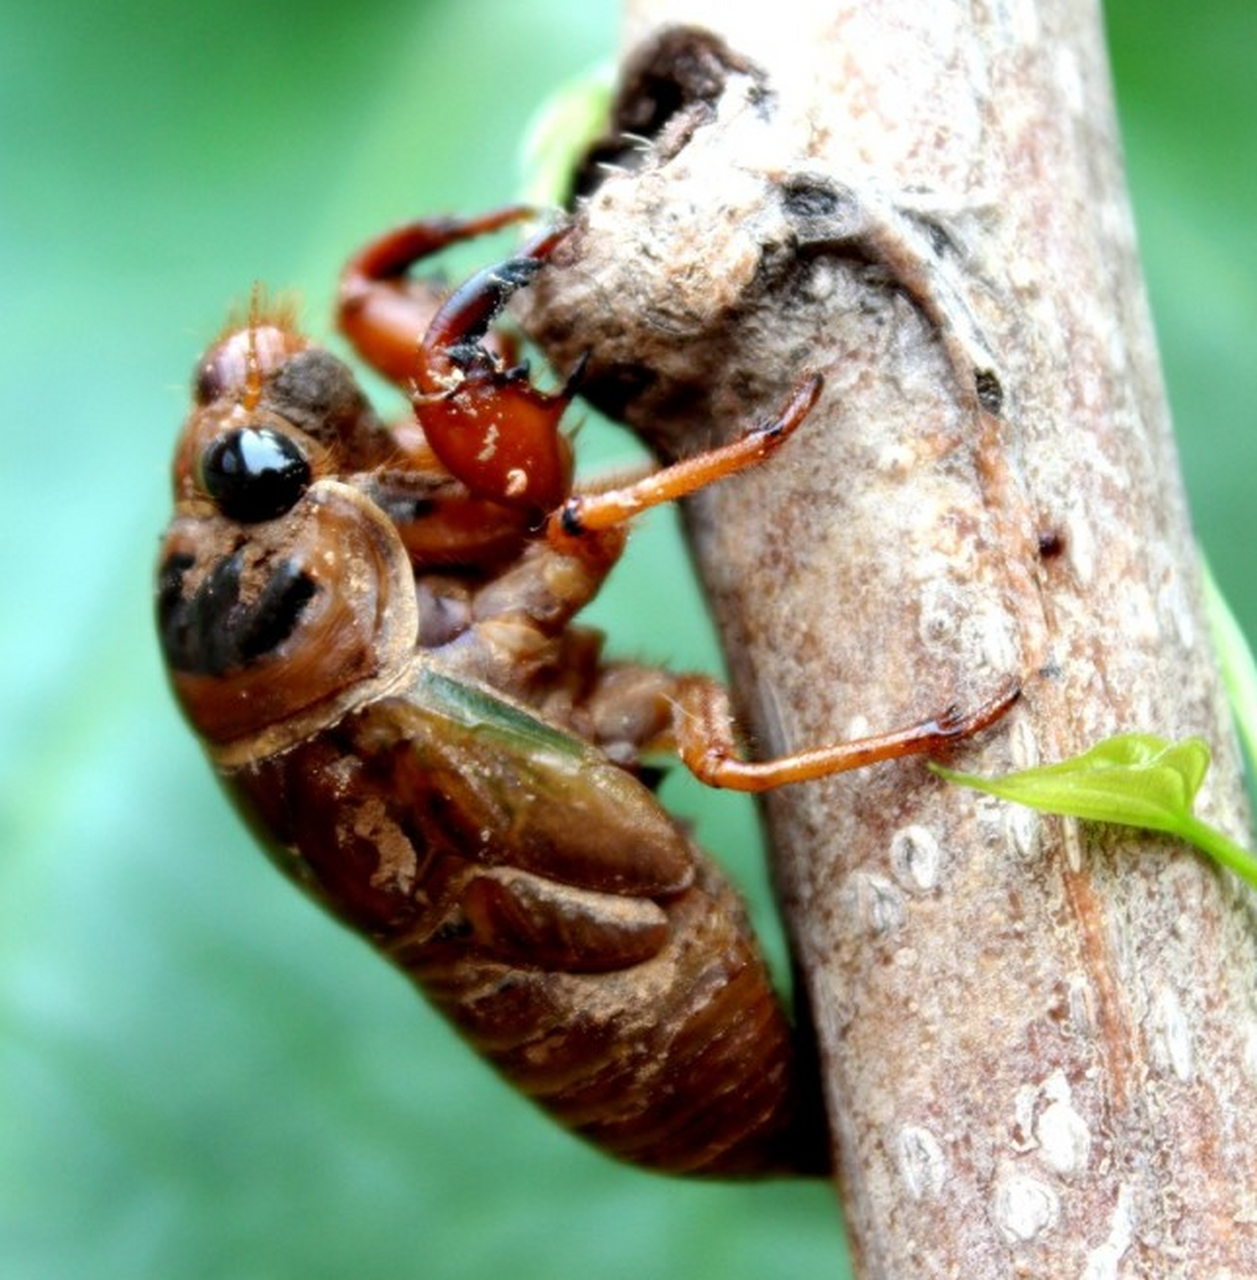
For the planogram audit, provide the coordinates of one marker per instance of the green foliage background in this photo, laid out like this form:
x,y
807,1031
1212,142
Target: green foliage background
x,y
199,1076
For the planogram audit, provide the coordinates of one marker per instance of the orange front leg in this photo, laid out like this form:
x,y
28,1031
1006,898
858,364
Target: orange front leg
x,y
486,421
381,309
482,417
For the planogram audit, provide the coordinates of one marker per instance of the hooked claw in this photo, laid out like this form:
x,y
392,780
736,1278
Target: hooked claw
x,y
488,424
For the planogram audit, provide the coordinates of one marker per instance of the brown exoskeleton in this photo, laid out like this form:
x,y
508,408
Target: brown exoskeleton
x,y
371,630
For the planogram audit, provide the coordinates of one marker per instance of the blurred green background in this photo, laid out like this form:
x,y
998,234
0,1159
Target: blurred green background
x,y
199,1076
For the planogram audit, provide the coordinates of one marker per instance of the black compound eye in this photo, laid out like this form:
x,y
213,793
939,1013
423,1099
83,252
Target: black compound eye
x,y
254,473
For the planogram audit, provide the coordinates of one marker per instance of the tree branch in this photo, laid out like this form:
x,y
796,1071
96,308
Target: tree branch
x,y
1038,1039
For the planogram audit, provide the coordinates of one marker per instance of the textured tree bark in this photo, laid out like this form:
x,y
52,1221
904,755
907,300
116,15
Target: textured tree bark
x,y
1039,1039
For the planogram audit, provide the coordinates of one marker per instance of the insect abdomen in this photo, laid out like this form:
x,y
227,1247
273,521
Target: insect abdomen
x,y
683,1062
647,1024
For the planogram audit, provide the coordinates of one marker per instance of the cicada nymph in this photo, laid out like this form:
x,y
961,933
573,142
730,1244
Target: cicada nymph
x,y
371,628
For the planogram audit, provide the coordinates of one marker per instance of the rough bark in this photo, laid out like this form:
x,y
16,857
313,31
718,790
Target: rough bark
x,y
1039,1039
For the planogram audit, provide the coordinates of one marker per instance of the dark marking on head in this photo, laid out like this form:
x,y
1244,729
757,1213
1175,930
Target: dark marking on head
x,y
170,602
212,631
276,612
319,395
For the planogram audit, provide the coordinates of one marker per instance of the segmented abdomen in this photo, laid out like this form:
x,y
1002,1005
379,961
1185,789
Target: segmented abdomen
x,y
666,1046
682,1062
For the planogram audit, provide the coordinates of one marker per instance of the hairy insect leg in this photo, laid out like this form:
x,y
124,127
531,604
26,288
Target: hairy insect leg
x,y
586,514
705,739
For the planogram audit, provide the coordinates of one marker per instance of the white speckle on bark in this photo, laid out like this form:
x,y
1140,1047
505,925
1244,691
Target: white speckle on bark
x,y
1102,1261
1139,617
986,632
1080,548
1046,1122
895,460
1019,21
941,609
1081,1010
915,858
1072,842
1250,1052
1024,1208
1174,604
1064,1136
1069,81
878,905
858,727
922,1164
1023,827
1023,746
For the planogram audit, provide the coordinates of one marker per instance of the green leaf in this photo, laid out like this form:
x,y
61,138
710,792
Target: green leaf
x,y
1133,780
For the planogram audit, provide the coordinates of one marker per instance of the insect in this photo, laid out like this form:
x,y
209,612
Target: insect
x,y
371,629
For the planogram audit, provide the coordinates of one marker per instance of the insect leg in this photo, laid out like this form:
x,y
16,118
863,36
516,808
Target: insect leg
x,y
381,310
489,426
705,739
588,513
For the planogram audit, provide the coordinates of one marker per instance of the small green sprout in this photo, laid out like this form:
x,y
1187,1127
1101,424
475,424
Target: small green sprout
x,y
1137,780
1134,780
